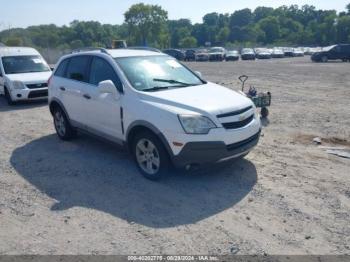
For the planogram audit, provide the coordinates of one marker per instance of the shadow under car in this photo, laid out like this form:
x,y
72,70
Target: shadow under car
x,y
89,173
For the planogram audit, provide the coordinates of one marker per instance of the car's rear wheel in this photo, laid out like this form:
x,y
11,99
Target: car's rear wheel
x,y
63,128
8,97
324,59
150,156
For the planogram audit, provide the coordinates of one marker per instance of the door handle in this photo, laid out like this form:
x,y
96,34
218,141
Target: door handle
x,y
62,88
87,96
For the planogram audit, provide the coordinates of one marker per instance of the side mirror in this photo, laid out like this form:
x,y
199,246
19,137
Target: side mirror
x,y
198,74
108,87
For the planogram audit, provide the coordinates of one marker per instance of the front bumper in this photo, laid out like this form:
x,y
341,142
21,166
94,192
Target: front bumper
x,y
232,58
201,153
216,58
29,94
248,57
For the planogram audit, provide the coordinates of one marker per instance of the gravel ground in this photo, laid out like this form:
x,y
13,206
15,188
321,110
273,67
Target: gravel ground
x,y
287,197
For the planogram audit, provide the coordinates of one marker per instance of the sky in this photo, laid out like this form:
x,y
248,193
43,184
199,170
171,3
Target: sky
x,y
23,13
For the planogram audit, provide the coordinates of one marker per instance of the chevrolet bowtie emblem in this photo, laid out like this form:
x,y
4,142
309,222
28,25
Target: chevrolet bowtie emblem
x,y
242,117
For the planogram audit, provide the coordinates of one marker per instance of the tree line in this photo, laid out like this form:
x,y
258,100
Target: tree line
x,y
148,25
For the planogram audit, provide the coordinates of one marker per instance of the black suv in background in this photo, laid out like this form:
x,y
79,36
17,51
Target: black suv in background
x,y
190,55
178,54
334,52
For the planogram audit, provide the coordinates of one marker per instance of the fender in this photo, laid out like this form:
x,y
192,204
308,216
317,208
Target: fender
x,y
142,123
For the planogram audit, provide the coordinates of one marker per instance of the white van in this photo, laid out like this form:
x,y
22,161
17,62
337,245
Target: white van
x,y
23,74
160,109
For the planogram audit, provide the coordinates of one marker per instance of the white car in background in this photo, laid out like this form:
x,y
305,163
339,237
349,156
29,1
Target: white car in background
x,y
163,112
23,74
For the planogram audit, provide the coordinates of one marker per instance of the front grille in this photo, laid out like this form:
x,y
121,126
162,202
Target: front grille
x,y
37,94
239,124
35,86
242,143
235,113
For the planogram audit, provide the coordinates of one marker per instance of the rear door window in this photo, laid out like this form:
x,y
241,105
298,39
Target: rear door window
x,y
78,68
101,70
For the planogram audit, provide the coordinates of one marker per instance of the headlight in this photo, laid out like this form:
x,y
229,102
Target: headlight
x,y
193,124
18,85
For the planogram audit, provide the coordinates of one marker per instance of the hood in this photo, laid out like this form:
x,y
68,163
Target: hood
x,y
30,78
205,99
264,53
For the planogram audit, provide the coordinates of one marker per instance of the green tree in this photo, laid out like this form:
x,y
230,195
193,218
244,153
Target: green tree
x,y
262,12
14,41
241,18
270,26
146,22
223,35
188,42
343,29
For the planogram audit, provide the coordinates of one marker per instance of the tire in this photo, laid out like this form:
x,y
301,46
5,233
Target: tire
x,y
8,97
150,156
324,59
63,128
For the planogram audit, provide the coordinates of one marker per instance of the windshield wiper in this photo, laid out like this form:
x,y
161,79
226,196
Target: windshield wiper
x,y
171,81
156,88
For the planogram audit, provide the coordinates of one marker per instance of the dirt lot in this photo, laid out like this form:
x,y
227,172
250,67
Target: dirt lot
x,y
287,197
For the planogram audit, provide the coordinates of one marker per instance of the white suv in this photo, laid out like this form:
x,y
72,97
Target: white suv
x,y
23,74
163,112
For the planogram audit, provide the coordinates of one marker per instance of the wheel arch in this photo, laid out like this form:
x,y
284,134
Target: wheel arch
x,y
55,103
140,126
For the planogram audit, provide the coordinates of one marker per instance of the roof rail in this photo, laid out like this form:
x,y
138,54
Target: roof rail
x,y
87,49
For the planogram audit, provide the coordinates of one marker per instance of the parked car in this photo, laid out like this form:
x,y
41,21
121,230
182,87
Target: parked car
x,y
23,74
190,55
297,52
202,55
334,52
288,52
152,105
232,55
217,54
277,53
247,54
178,54
263,53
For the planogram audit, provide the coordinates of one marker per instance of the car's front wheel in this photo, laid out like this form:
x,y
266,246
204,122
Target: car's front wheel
x,y
63,128
150,155
8,97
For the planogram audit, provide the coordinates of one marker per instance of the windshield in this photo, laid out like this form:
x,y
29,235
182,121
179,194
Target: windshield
x,y
216,50
24,64
247,50
152,73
